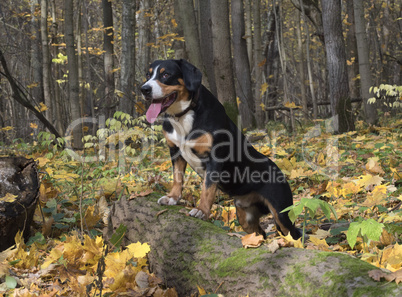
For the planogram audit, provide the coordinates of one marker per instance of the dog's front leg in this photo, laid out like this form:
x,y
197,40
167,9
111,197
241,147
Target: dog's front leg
x,y
208,194
179,166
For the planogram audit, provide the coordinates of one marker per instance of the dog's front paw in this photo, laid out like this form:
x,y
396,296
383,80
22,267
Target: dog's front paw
x,y
197,213
165,200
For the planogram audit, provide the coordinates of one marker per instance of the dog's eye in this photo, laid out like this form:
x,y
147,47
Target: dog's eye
x,y
165,75
148,76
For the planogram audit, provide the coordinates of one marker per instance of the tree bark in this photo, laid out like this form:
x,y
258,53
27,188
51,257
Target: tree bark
x,y
364,64
192,41
257,46
223,57
128,57
188,252
46,60
73,82
241,65
207,51
341,106
109,106
18,177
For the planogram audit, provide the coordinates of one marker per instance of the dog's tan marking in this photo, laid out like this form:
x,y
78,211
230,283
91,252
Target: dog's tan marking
x,y
202,144
162,70
150,70
182,92
248,213
179,166
208,194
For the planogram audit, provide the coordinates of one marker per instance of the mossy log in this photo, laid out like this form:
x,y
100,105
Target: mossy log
x,y
19,194
187,252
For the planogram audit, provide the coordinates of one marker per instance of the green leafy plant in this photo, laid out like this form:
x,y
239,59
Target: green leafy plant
x,y
369,229
310,207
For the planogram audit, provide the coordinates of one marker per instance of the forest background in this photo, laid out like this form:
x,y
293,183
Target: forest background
x,y
315,84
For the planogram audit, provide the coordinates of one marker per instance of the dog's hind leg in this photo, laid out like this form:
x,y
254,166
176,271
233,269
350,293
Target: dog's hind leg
x,y
249,209
179,166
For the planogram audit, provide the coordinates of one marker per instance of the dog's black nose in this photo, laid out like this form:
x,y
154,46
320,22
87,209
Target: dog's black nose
x,y
146,90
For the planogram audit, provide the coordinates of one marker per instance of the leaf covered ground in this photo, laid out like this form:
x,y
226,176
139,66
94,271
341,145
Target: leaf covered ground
x,y
357,176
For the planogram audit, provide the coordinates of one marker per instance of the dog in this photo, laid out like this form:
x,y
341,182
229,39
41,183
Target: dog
x,y
199,133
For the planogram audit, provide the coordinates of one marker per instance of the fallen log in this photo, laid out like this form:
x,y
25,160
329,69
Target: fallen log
x,y
187,252
19,194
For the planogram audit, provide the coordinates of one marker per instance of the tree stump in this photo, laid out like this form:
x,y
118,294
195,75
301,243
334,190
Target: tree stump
x,y
187,252
18,176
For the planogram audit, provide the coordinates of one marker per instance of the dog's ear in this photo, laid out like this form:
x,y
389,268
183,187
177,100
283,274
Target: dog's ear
x,y
192,76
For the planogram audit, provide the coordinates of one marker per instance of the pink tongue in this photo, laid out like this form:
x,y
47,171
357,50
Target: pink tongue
x,y
153,112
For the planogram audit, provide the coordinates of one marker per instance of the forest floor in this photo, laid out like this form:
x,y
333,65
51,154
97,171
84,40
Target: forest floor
x,y
357,173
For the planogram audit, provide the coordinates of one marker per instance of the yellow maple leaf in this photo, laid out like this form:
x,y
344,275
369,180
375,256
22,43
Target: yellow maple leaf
x,y
291,105
252,240
320,243
33,126
374,166
8,198
7,128
296,243
138,249
368,180
296,173
264,88
376,197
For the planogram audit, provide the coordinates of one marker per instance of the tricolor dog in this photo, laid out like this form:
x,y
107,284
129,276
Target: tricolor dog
x,y
199,133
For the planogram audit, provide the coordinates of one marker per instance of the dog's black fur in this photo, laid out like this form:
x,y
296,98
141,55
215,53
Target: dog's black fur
x,y
199,132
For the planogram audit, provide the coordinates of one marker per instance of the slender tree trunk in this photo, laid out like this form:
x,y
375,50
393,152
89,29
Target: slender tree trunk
x,y
191,36
109,106
249,31
308,61
301,66
258,59
364,65
36,58
241,65
351,51
223,56
73,83
336,64
207,51
57,102
128,57
272,65
46,60
144,33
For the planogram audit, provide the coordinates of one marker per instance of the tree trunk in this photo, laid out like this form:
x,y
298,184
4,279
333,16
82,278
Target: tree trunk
x,y
351,51
364,64
272,65
128,57
301,67
257,46
223,57
46,60
341,106
19,178
191,36
207,51
188,252
109,106
241,65
73,83
249,31
144,26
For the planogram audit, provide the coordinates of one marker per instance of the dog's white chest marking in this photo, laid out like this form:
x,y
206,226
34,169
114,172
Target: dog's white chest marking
x,y
181,128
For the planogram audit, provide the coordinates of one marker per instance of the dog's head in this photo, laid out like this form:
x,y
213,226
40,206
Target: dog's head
x,y
170,85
